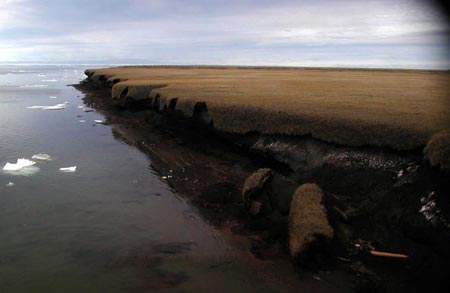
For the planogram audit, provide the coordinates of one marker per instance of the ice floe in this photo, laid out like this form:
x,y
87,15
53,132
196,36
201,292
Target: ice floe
x,y
68,169
21,163
36,107
82,121
99,121
53,107
41,157
10,184
33,85
22,167
52,97
27,171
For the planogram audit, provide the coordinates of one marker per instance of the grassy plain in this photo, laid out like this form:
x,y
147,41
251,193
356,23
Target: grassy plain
x,y
399,109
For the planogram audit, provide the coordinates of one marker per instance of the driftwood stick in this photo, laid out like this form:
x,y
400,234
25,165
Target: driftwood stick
x,y
388,254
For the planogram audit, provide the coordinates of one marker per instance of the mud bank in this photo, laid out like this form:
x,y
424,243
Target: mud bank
x,y
374,198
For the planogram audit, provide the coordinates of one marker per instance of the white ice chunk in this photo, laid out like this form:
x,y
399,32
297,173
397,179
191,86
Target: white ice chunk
x,y
28,171
42,157
82,121
10,184
37,107
68,169
21,163
52,97
56,107
98,121
33,85
80,107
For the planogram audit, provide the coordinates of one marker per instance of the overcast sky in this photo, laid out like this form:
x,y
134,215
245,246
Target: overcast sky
x,y
392,33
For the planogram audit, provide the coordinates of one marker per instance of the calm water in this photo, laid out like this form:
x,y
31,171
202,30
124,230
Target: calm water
x,y
111,226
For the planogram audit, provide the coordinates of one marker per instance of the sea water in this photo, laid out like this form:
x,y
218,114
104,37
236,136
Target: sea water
x,y
112,224
100,228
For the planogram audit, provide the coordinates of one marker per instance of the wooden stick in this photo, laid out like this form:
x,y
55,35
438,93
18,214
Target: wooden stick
x,y
388,254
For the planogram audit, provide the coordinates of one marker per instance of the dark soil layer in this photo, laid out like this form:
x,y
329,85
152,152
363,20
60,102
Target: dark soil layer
x,y
377,198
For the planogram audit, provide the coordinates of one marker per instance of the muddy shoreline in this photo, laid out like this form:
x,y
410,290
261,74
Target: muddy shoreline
x,y
392,200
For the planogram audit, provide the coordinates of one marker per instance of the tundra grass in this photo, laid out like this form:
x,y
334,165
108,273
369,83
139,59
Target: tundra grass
x,y
437,151
399,109
308,220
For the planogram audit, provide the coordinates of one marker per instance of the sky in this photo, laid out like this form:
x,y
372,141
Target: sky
x,y
343,33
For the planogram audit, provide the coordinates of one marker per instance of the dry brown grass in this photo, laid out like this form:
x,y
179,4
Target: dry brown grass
x,y
437,151
399,109
308,221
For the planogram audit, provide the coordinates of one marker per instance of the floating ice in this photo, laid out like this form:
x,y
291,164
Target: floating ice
x,y
33,85
21,163
98,121
10,184
55,107
36,107
52,97
42,157
68,169
80,107
28,171
82,121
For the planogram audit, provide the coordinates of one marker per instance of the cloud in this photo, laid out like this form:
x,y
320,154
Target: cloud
x,y
11,12
351,32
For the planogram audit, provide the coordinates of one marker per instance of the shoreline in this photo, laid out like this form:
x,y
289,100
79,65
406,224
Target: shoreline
x,y
365,187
